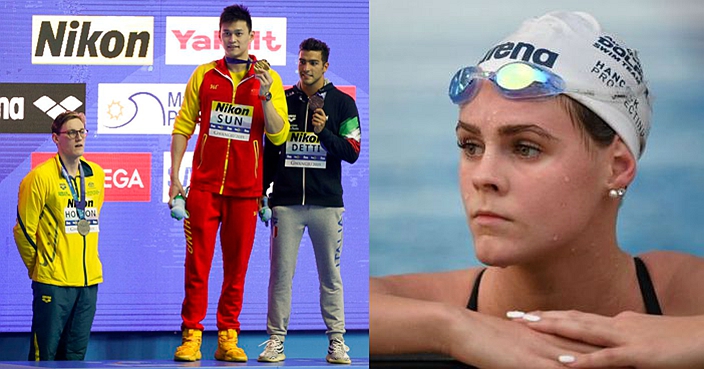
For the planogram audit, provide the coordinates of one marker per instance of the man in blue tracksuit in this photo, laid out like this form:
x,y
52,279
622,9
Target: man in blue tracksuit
x,y
307,192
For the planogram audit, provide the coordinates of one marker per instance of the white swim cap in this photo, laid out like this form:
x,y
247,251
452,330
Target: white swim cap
x,y
594,65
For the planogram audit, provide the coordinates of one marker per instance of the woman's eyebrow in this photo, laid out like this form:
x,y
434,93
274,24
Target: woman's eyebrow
x,y
508,130
515,129
471,128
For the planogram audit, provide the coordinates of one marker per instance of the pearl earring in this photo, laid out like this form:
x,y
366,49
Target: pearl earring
x,y
617,192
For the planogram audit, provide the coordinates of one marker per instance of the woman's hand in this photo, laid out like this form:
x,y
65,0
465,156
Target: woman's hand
x,y
410,315
490,342
628,339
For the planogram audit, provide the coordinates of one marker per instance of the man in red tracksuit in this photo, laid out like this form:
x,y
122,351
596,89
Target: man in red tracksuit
x,y
235,102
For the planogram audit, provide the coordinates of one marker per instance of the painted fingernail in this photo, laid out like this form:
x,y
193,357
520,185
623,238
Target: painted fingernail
x,y
515,314
531,318
566,359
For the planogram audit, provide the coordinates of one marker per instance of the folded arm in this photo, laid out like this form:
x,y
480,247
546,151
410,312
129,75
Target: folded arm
x,y
404,325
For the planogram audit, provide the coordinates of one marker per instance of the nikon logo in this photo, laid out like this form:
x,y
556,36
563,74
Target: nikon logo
x,y
92,40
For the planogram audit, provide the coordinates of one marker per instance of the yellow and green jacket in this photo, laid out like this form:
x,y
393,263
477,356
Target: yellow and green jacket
x,y
46,234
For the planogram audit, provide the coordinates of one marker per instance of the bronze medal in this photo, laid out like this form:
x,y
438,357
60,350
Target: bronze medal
x,y
83,227
316,101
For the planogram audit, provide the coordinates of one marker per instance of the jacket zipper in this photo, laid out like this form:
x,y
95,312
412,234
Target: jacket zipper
x,y
85,268
229,141
305,129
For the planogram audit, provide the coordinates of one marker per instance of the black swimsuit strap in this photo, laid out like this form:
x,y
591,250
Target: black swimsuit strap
x,y
650,298
473,298
652,305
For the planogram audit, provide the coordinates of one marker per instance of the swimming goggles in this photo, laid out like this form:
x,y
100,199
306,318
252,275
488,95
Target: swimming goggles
x,y
519,80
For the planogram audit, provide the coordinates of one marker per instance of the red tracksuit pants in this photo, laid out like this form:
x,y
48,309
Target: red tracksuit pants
x,y
237,220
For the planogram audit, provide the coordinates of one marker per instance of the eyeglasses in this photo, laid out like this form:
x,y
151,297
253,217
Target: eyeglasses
x,y
72,133
521,80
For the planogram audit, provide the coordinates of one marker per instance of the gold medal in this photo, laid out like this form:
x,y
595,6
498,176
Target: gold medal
x,y
83,227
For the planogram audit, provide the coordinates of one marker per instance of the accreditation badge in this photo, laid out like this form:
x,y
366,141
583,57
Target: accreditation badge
x,y
231,121
83,225
303,150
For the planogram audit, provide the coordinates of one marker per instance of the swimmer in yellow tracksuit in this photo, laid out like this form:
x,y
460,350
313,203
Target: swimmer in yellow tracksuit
x,y
57,237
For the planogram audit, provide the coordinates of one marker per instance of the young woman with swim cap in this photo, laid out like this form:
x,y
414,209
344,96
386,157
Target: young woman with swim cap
x,y
551,124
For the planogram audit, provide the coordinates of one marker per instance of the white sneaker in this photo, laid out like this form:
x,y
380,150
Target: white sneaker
x,y
273,352
337,352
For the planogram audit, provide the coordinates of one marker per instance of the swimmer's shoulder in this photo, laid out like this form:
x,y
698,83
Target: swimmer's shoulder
x,y
451,287
678,279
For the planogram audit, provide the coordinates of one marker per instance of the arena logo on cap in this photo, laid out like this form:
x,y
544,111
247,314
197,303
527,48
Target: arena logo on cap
x,y
105,40
196,40
524,51
127,175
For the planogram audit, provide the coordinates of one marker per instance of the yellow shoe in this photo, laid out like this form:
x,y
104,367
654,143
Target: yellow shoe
x,y
227,347
190,346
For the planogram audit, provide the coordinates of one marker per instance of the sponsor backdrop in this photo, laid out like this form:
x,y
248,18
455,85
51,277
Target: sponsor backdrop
x,y
125,64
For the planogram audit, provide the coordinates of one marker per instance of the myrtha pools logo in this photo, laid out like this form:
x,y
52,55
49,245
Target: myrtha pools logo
x,y
138,108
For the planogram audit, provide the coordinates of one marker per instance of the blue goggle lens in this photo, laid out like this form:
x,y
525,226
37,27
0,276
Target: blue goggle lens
x,y
517,80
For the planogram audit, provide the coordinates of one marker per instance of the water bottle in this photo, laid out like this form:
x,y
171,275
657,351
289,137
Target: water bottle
x,y
178,208
265,211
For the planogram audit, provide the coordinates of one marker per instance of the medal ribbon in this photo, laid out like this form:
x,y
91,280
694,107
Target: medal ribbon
x,y
238,61
80,203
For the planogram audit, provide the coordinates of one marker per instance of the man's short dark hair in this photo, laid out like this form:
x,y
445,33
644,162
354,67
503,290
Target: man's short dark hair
x,y
234,13
65,117
312,44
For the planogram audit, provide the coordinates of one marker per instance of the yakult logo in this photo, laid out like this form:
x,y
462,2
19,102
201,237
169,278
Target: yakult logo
x,y
127,175
92,40
196,40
